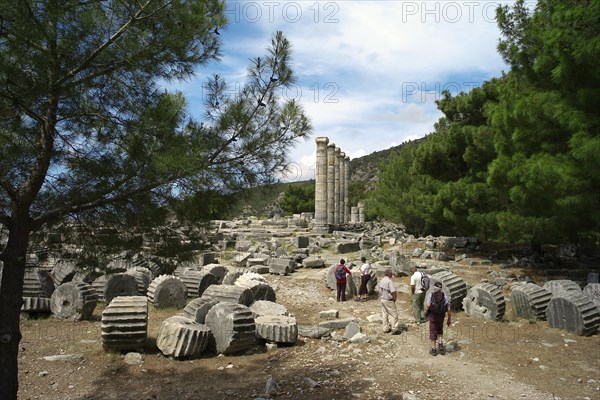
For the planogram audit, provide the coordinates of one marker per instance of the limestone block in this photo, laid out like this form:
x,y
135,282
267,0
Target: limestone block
x,y
120,284
330,277
232,326
98,285
282,266
232,276
125,323
277,328
206,258
243,245
261,259
575,313
351,329
229,293
63,271
259,269
313,331
347,247
260,287
336,323
529,301
73,301
36,305
592,290
265,307
119,265
32,283
301,242
219,271
454,287
562,287
143,277
313,263
197,309
167,291
196,282
485,300
182,337
329,314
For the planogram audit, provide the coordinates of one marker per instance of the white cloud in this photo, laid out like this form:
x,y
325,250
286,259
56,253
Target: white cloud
x,y
369,71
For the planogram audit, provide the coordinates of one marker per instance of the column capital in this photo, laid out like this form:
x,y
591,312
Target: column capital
x,y
322,139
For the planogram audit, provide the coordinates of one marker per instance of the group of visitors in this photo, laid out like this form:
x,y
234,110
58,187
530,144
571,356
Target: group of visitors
x,y
428,305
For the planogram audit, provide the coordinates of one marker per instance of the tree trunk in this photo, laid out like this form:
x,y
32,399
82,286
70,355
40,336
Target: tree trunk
x,y
11,299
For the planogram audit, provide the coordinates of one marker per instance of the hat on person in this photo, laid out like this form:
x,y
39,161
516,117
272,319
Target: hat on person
x,y
438,284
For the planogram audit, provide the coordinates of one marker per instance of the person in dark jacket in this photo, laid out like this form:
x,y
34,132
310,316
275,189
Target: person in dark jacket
x,y
340,279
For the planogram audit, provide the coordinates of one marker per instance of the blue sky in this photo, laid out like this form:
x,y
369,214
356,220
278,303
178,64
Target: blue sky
x,y
368,72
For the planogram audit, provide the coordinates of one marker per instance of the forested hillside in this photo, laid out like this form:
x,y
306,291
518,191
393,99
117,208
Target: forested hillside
x,y
517,158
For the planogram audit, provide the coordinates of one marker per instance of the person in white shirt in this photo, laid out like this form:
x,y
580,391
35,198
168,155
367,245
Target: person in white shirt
x,y
418,295
388,295
365,277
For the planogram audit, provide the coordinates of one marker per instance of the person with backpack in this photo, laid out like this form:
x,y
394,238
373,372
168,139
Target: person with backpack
x,y
437,304
419,284
389,295
340,279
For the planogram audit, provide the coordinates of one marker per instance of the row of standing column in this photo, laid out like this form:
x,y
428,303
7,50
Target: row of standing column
x,y
332,206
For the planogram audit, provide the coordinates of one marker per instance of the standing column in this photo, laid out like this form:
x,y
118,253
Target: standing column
x,y
321,184
342,187
330,182
336,188
361,212
346,189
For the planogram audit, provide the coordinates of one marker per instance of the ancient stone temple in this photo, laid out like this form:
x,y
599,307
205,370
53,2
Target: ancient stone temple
x,y
332,174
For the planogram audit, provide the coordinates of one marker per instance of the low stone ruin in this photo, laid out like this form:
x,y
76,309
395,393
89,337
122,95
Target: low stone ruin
x,y
73,301
454,287
120,284
182,337
529,301
230,294
167,291
592,290
573,312
125,323
232,326
197,282
197,309
486,301
277,328
562,287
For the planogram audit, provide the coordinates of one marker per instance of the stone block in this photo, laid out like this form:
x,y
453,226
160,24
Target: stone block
x,y
301,242
351,329
337,323
313,263
281,266
347,247
575,313
329,314
182,337
265,307
277,328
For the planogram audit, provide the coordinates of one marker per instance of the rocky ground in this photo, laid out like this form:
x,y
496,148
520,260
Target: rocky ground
x,y
511,359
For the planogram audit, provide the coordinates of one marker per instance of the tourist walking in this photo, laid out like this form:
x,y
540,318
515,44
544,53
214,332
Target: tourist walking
x,y
436,306
389,295
418,294
365,277
340,279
